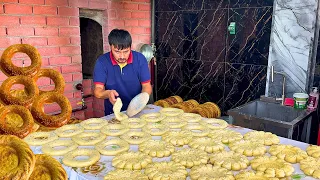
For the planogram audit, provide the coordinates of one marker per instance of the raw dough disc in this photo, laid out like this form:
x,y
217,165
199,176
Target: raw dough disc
x,y
207,144
166,170
289,153
266,137
190,157
117,110
207,171
230,160
156,148
121,174
214,124
131,160
311,167
112,147
226,136
177,138
248,148
313,151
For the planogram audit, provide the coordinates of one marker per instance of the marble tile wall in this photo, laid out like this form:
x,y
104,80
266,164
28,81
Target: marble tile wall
x,y
199,59
291,45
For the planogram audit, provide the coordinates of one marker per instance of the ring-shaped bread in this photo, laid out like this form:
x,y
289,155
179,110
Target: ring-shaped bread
x,y
40,138
153,117
51,120
311,167
31,91
267,138
272,166
190,157
313,151
207,144
166,170
94,123
131,160
24,114
48,168
69,130
230,160
225,135
156,148
50,148
171,111
251,175
88,138
134,123
10,69
156,129
17,159
55,76
136,137
177,138
121,174
174,122
289,153
112,147
214,124
197,130
248,148
207,171
114,129
92,154
190,117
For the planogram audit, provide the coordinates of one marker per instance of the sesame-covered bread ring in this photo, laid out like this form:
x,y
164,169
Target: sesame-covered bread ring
x,y
51,120
10,69
31,91
25,115
55,76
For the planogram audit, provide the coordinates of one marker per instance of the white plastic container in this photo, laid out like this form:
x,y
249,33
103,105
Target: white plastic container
x,y
300,100
313,99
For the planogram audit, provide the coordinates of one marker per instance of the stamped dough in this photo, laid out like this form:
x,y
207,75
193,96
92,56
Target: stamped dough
x,y
156,148
266,137
131,160
248,148
289,153
207,171
166,170
230,160
190,157
207,144
177,138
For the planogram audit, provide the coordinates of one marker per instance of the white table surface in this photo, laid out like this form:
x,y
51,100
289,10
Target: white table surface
x,y
105,165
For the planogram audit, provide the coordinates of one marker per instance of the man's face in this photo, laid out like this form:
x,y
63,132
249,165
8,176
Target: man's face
x,y
121,56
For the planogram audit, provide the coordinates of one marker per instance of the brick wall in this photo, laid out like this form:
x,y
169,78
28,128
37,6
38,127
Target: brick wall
x,y
52,26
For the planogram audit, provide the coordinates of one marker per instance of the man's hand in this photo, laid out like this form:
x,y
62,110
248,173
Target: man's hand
x,y
112,95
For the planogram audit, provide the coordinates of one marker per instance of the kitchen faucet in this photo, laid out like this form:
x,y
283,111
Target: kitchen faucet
x,y
283,83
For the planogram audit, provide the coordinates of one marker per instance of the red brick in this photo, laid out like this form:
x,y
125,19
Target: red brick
x,y
124,14
57,2
13,1
147,30
56,68
59,60
145,7
87,83
75,40
80,115
57,21
70,50
145,38
99,114
3,31
8,41
89,113
67,11
20,31
97,5
58,41
68,95
74,21
76,59
35,41
115,5
1,9
112,14
145,23
77,94
48,51
45,62
46,31
31,1
130,6
147,1
116,23
138,14
33,20
71,68
69,87
45,10
67,77
87,91
17,9
137,30
9,20
132,22
89,105
43,81
77,76
83,3
69,31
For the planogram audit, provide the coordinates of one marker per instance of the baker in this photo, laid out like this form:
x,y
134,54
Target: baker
x,y
121,72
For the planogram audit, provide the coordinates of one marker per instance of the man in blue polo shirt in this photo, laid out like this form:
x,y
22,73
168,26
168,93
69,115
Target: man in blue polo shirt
x,y
121,72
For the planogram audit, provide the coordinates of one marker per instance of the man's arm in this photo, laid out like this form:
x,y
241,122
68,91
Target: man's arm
x,y
146,87
101,93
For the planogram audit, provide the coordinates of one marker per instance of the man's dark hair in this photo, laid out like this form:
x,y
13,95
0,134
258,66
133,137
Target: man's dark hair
x,y
120,39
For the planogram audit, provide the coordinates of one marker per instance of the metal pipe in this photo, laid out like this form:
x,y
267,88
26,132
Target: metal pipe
x,y
272,72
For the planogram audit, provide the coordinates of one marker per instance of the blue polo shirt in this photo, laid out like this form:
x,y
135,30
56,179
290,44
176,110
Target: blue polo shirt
x,y
126,81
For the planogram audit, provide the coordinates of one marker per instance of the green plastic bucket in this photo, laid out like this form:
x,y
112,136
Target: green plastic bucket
x,y
300,100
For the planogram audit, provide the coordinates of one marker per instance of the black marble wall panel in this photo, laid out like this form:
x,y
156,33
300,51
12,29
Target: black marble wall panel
x,y
197,57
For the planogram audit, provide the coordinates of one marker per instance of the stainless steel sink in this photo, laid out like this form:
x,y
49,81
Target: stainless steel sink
x,y
273,117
